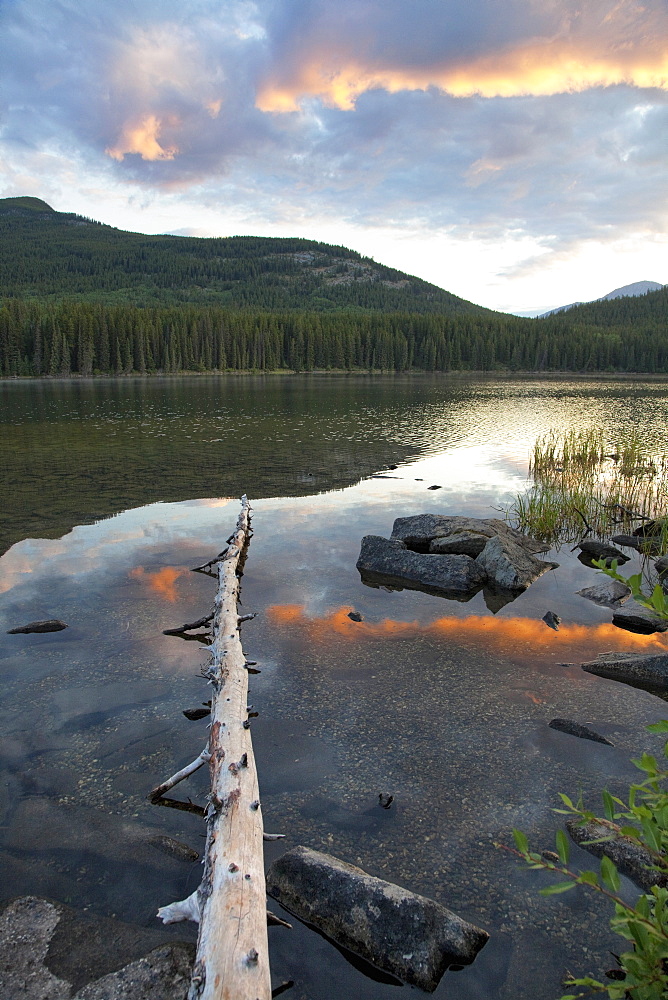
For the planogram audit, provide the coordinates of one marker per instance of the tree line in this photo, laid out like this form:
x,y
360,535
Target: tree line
x,y
41,338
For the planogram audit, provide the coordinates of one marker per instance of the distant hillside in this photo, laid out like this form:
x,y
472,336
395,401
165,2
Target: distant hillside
x,y
52,255
81,298
635,288
626,311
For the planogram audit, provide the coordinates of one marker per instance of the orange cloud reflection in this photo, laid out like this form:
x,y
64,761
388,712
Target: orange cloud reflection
x,y
516,638
162,582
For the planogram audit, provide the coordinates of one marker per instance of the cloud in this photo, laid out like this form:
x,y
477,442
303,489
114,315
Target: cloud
x,y
519,120
335,53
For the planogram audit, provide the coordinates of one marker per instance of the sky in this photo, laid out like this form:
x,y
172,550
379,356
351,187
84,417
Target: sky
x,y
514,152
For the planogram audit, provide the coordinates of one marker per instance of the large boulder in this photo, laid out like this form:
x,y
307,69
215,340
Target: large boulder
x,y
409,936
445,574
648,671
509,565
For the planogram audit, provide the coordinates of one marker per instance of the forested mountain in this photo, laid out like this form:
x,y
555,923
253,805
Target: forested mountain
x,y
77,297
55,255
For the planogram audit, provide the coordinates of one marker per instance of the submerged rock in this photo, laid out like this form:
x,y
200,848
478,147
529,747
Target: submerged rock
x,y
577,729
409,936
642,670
175,848
391,558
610,593
635,617
592,549
630,857
51,625
50,950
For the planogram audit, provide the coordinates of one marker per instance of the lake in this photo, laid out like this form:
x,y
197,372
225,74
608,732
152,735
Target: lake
x,y
112,490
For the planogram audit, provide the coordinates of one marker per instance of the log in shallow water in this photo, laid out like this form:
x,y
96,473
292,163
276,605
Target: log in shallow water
x,y
232,960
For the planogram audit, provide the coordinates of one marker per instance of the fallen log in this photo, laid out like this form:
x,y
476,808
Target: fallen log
x,y
232,960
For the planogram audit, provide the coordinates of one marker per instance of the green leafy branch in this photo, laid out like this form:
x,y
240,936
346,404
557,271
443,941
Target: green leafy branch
x,y
657,601
643,970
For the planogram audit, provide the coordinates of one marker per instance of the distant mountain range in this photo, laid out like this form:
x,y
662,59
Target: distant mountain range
x,y
635,288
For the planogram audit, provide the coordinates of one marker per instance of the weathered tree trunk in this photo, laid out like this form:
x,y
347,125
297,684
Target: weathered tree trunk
x,y
232,961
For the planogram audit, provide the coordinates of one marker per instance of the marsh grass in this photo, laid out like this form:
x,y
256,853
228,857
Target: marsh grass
x,y
584,480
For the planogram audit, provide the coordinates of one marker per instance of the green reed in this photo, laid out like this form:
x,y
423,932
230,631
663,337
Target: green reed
x,y
585,480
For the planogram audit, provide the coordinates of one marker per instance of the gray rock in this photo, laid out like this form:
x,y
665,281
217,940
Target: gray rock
x,y
552,620
593,549
409,936
445,574
577,729
648,671
630,858
462,542
164,974
52,625
661,565
611,593
509,565
650,546
419,531
175,848
631,541
635,618
50,952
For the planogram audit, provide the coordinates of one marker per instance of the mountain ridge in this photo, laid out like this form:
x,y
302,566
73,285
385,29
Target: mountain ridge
x,y
632,290
45,254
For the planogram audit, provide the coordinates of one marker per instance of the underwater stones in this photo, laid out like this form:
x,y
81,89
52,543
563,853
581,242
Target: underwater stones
x,y
49,951
391,558
630,857
577,729
52,625
398,931
642,670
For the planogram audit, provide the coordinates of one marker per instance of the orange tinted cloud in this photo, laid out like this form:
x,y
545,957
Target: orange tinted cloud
x,y
517,638
142,138
541,67
162,582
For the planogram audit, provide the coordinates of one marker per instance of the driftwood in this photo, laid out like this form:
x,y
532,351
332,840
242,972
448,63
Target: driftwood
x,y
232,961
203,758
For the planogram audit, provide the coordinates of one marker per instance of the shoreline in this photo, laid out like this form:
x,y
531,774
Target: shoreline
x,y
351,373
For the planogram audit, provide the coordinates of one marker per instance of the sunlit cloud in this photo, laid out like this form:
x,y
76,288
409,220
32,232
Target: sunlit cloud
x,y
516,134
142,139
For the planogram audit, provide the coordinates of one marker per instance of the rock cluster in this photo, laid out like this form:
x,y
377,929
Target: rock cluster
x,y
452,556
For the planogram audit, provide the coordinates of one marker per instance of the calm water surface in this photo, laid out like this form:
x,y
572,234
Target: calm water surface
x,y
439,703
